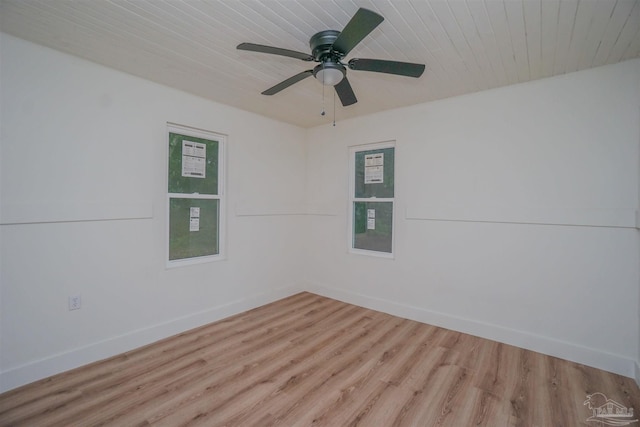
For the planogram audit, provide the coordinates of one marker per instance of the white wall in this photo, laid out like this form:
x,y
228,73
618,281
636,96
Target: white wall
x,y
515,215
83,212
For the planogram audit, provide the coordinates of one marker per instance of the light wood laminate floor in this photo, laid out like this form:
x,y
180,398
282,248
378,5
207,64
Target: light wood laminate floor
x,y
312,361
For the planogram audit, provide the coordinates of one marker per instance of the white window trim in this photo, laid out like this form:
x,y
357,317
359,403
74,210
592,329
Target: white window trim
x,y
352,199
222,214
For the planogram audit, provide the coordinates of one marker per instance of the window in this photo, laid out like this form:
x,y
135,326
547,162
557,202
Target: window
x,y
371,204
195,196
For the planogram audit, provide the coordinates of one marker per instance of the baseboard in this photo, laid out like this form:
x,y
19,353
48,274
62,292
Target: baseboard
x,y
541,344
93,352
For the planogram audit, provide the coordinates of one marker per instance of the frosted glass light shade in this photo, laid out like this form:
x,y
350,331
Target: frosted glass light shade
x,y
329,76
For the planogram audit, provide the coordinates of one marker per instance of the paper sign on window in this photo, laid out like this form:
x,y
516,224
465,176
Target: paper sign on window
x,y
371,219
194,219
374,168
194,159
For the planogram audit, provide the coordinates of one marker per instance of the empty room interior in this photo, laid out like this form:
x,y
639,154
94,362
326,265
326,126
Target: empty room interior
x,y
446,233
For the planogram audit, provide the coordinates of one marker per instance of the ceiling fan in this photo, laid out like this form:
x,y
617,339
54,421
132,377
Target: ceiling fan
x,y
329,48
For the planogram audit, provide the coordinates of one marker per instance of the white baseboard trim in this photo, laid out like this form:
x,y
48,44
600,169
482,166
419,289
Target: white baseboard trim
x,y
100,350
541,344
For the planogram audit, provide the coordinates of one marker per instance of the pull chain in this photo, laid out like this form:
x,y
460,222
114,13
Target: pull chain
x,y
334,108
322,111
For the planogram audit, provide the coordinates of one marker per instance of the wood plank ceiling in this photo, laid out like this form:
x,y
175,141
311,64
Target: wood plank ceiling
x,y
467,46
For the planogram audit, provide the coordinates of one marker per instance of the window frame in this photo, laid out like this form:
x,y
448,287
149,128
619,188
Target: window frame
x,y
353,150
220,196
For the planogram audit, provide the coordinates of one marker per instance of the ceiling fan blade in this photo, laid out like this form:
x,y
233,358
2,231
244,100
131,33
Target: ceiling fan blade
x,y
390,67
274,51
345,92
290,81
360,25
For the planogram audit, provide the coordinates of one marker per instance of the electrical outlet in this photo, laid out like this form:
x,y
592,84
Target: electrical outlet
x,y
75,302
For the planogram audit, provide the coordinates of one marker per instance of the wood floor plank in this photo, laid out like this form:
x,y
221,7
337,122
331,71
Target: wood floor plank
x,y
229,370
307,360
314,375
267,369
367,365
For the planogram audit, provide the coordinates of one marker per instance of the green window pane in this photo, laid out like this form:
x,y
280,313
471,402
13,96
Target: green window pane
x,y
372,225
374,173
193,165
193,228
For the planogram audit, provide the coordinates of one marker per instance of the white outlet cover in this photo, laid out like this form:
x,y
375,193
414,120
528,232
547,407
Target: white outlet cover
x,y
75,302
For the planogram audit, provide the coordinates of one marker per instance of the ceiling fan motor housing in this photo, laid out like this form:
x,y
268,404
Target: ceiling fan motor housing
x,y
322,50
321,46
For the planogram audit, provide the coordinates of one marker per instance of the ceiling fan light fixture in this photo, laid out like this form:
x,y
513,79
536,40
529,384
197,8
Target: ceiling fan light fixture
x,y
329,73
